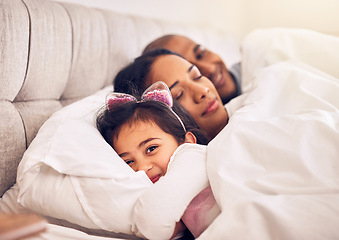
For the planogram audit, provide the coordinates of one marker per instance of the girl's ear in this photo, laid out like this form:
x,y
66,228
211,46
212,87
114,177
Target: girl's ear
x,y
190,138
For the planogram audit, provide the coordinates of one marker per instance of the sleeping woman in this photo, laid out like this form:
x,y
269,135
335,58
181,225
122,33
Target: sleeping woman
x,y
193,91
146,134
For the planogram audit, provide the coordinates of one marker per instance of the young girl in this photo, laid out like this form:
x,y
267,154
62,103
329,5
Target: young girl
x,y
146,133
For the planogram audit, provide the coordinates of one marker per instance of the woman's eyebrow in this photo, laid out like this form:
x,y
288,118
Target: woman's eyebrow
x,y
173,85
176,82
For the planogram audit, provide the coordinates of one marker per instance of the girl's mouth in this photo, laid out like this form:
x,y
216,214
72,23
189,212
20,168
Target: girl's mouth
x,y
155,178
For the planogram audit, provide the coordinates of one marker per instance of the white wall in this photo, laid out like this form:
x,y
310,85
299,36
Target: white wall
x,y
319,15
237,17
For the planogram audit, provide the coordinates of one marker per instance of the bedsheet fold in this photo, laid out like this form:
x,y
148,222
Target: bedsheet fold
x,y
274,168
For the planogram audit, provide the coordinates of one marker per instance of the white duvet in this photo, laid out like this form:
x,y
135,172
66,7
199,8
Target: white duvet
x,y
274,169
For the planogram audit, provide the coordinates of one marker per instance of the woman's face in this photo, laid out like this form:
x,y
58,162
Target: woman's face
x,y
144,146
209,64
195,92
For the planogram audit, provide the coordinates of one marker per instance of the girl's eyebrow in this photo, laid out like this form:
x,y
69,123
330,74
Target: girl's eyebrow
x,y
146,141
140,145
123,154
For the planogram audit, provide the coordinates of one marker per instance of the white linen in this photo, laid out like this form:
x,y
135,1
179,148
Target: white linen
x,y
162,205
9,203
70,172
274,168
56,232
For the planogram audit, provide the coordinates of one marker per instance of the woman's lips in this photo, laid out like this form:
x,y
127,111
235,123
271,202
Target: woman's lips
x,y
211,107
155,178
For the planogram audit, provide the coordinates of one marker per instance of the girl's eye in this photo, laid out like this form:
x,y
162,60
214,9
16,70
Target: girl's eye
x,y
129,162
151,149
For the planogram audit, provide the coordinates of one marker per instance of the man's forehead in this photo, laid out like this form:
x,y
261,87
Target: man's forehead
x,y
181,45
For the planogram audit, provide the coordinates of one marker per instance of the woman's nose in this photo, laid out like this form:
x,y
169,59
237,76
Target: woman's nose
x,y
200,92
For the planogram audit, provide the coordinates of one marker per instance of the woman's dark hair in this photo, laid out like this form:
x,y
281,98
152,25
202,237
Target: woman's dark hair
x,y
132,79
109,122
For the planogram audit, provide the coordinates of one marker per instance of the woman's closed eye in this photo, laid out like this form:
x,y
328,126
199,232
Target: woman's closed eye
x,y
196,75
178,95
197,78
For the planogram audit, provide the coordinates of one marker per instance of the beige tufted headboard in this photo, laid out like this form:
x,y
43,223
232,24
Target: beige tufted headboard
x,y
53,54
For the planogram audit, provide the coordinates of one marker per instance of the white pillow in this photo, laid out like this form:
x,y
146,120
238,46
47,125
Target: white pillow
x,y
69,172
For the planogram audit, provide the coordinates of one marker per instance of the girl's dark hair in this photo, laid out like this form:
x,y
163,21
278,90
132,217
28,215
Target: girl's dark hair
x,y
132,79
109,122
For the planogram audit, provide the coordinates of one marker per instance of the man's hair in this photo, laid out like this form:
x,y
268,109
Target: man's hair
x,y
158,43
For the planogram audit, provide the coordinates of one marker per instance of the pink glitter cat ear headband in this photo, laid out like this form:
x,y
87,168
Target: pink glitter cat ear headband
x,y
157,92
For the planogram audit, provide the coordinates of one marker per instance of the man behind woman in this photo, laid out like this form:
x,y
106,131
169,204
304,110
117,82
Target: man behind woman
x,y
198,79
226,81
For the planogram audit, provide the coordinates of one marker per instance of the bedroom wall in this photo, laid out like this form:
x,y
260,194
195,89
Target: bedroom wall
x,y
237,17
319,15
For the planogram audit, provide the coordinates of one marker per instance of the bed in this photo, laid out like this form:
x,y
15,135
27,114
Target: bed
x,y
273,170
54,54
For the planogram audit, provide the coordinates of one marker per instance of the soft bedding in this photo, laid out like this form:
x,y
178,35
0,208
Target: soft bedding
x,y
56,232
70,173
273,170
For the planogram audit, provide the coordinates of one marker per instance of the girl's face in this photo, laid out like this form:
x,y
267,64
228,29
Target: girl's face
x,y
144,146
195,92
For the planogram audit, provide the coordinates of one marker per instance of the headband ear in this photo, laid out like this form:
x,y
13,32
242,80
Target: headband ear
x,y
115,99
160,92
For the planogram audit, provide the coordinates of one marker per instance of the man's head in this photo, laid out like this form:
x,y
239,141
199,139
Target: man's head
x,y
209,63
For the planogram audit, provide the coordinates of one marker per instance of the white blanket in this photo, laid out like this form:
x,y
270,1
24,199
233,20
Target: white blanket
x,y
274,169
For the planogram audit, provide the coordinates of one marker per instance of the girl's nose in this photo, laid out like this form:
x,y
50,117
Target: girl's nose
x,y
145,166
